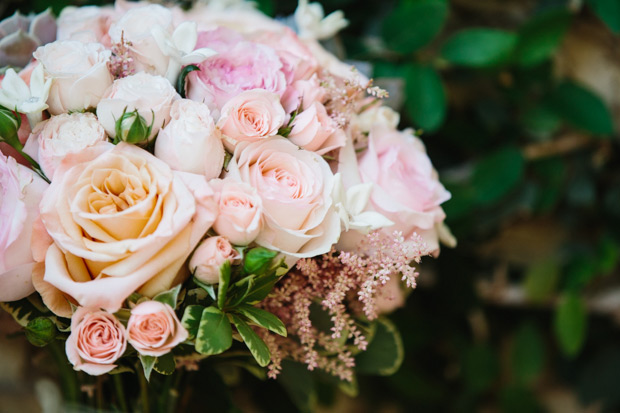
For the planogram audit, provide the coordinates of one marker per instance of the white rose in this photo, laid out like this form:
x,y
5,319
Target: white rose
x,y
376,115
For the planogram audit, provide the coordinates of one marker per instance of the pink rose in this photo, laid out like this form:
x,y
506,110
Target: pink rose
x,y
52,140
121,221
240,211
303,93
151,95
295,187
250,116
96,341
89,23
190,142
79,73
315,131
209,257
20,193
154,329
406,188
238,66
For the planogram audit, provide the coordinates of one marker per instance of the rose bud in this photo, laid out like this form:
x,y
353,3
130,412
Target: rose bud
x,y
131,127
240,211
209,257
154,329
313,130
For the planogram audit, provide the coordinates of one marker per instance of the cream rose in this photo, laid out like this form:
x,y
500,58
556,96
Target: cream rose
x,y
250,116
88,22
79,73
96,341
154,329
52,140
20,193
190,142
209,257
151,95
240,211
376,115
135,27
121,221
295,187
315,131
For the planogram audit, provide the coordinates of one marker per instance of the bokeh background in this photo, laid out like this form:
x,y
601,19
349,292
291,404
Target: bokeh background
x,y
518,102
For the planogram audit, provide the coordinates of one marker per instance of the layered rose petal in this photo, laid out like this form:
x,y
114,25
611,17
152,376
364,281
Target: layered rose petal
x,y
154,329
240,211
210,255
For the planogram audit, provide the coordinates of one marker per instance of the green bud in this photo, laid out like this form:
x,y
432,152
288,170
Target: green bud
x,y
131,127
40,331
9,125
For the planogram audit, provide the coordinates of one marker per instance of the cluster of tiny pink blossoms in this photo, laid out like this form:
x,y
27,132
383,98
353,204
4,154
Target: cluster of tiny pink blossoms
x,y
345,285
121,63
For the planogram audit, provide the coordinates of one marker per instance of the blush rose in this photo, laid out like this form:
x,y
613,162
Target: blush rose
x,y
154,329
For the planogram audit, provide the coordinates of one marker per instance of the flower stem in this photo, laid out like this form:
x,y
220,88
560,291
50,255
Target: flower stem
x,y
144,392
120,392
68,377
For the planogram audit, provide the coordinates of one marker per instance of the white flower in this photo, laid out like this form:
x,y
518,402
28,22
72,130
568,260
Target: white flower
x,y
350,206
180,47
16,95
313,24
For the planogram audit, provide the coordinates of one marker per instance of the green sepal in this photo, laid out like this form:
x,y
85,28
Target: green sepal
x,y
169,297
181,80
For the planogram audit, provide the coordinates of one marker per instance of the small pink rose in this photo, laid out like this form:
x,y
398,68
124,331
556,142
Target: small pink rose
x,y
209,257
96,341
315,131
154,329
240,211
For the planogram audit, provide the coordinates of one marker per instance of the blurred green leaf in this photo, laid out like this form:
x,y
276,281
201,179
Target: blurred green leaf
x,y
608,255
413,24
298,382
528,354
609,12
498,174
479,47
517,399
426,100
41,331
582,108
541,35
541,121
541,280
385,352
580,271
266,6
570,323
480,367
165,364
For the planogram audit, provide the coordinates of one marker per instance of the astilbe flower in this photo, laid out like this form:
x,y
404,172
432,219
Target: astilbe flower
x,y
121,63
345,285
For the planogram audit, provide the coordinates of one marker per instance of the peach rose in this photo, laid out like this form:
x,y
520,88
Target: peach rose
x,y
190,142
315,131
295,187
96,341
52,140
121,221
20,193
209,257
250,116
154,329
79,73
151,95
240,211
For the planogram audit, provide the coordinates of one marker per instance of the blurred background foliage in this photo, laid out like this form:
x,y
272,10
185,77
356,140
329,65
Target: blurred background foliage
x,y
518,102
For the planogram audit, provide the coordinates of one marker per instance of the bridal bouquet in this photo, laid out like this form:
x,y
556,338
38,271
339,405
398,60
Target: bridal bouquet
x,y
181,184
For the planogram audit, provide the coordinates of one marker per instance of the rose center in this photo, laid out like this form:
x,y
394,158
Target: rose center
x,y
115,192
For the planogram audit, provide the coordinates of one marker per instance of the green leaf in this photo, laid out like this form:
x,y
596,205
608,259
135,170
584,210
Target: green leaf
x,y
257,260
498,174
540,36
426,99
22,311
169,297
517,399
41,331
148,362
191,319
181,80
257,346
222,288
165,364
541,121
385,352
266,6
240,291
209,288
541,280
609,12
608,254
479,47
413,24
214,332
582,108
263,318
528,354
570,323
262,287
480,367
581,270
298,382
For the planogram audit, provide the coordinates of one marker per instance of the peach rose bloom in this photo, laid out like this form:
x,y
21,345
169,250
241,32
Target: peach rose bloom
x,y
121,221
190,142
20,193
79,71
154,329
96,341
295,187
240,211
315,131
209,257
